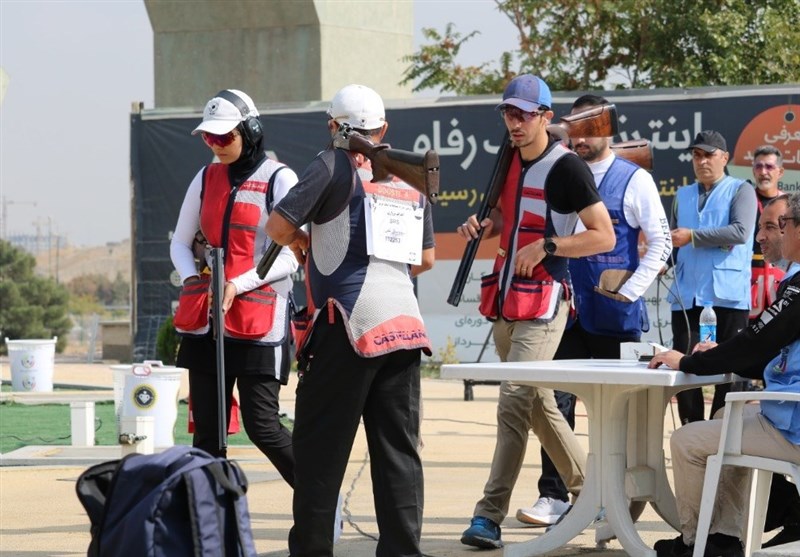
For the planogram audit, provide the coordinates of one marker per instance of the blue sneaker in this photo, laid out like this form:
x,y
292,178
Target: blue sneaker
x,y
482,533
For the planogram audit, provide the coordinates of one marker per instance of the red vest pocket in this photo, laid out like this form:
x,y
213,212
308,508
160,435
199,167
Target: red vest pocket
x,y
192,313
251,314
527,299
490,287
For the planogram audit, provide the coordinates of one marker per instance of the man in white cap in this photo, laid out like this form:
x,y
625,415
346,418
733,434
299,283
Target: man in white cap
x,y
362,357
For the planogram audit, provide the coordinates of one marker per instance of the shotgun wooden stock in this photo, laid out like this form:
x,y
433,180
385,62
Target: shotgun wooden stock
x,y
638,151
597,121
490,198
419,171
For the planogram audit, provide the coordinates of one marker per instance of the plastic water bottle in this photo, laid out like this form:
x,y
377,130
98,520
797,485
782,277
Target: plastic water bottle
x,y
708,325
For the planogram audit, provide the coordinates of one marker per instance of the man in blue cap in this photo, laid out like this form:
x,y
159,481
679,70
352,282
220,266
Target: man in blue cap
x,y
547,190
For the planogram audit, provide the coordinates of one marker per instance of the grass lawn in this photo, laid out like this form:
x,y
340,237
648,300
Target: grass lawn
x,y
49,424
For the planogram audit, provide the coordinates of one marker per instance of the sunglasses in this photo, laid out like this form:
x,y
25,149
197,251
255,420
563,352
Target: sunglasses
x,y
514,113
214,140
769,167
782,221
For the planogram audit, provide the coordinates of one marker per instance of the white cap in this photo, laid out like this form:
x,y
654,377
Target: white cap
x,y
221,116
359,106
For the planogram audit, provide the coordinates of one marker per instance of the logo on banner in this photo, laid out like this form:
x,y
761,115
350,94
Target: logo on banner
x,y
779,127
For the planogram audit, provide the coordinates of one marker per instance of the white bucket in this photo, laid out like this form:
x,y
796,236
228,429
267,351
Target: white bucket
x,y
149,389
31,363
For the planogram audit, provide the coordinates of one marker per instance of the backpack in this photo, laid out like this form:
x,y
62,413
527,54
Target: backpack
x,y
182,501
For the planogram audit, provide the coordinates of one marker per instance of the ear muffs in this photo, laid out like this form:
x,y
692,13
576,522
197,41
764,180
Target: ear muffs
x,y
251,125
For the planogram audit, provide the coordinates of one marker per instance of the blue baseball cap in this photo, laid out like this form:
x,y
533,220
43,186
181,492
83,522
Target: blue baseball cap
x,y
527,92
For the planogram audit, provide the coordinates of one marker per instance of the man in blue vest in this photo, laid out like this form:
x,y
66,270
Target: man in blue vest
x,y
608,287
714,219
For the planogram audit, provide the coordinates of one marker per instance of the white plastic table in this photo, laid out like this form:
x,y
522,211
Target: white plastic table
x,y
625,403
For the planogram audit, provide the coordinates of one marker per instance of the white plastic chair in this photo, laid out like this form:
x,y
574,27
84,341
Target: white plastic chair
x,y
730,454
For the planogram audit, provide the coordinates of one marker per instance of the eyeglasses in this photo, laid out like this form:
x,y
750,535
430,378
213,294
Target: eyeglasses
x,y
214,140
769,167
514,113
782,221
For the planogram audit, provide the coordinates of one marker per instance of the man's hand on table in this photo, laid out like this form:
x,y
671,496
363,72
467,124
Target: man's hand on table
x,y
670,358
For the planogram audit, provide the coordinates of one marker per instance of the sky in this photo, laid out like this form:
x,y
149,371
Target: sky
x,y
75,67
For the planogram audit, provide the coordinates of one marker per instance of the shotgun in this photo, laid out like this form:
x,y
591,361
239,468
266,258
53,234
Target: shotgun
x,y
499,173
598,121
637,151
419,171
217,293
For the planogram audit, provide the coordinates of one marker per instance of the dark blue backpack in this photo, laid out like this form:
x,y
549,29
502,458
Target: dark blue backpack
x,y
182,501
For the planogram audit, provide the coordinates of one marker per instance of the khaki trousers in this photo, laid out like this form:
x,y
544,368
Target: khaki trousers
x,y
522,408
693,443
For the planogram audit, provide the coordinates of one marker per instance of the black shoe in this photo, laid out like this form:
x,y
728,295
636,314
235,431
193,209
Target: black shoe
x,y
720,545
673,548
790,533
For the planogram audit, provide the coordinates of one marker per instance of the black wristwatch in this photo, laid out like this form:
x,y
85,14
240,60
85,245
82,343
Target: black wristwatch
x,y
549,246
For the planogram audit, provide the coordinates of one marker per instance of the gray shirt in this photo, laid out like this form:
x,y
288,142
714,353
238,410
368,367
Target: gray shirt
x,y
742,218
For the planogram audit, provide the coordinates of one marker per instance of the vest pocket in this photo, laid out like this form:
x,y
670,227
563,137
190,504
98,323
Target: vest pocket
x,y
251,315
302,321
191,316
527,299
490,286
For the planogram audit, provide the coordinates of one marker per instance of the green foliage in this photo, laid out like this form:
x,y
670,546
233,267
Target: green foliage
x,y
31,307
167,343
594,44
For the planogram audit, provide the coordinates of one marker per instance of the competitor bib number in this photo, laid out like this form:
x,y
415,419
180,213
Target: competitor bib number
x,y
394,229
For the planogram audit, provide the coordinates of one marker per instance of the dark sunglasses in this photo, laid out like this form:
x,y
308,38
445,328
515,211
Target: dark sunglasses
x,y
514,113
769,167
214,140
782,221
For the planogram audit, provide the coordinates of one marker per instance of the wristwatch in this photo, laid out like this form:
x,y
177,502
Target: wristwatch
x,y
549,246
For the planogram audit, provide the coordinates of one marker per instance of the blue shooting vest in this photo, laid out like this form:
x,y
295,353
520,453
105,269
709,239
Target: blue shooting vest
x,y
599,314
717,276
782,374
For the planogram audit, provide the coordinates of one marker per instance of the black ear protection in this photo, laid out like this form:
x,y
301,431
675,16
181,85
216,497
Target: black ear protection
x,y
251,125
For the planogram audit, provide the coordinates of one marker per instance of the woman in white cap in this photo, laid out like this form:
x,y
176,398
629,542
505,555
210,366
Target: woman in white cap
x,y
227,205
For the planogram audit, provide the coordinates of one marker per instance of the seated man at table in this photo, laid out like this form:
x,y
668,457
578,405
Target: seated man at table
x,y
770,430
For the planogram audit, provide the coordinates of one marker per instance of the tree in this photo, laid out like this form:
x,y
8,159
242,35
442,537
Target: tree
x,y
596,44
30,306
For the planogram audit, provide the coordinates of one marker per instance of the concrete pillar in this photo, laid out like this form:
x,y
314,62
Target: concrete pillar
x,y
278,50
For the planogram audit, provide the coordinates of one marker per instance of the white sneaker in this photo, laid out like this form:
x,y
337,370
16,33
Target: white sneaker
x,y
338,524
545,511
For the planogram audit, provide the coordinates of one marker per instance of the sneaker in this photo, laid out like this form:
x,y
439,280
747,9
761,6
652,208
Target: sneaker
x,y
338,523
600,517
545,511
483,533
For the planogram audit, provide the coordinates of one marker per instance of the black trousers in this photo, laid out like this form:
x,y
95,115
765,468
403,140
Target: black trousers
x,y
576,343
691,407
333,395
258,400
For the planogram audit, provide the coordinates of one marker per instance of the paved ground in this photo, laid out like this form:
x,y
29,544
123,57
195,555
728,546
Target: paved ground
x,y
41,516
